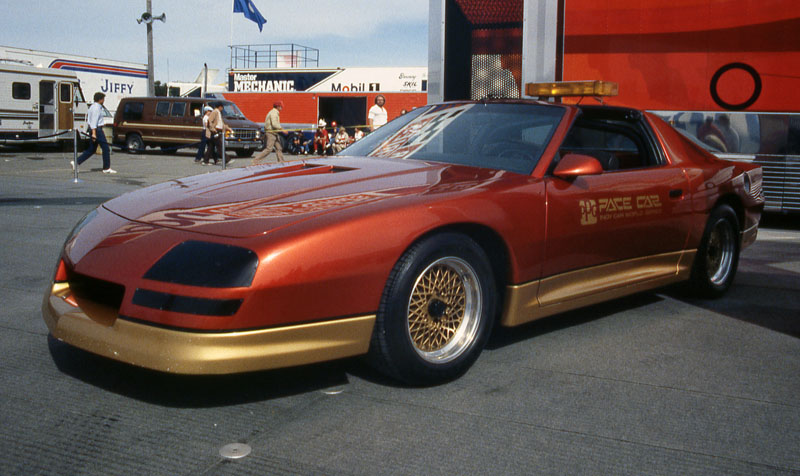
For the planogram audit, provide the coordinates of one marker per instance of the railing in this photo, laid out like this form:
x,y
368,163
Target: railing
x,y
272,56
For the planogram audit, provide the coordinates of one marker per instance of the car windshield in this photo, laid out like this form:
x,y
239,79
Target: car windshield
x,y
231,111
502,136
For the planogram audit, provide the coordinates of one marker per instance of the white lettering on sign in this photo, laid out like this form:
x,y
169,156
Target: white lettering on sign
x,y
265,86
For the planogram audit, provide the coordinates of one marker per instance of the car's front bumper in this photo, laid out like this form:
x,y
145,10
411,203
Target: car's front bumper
x,y
233,144
100,330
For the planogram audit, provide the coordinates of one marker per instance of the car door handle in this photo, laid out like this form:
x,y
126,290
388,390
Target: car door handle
x,y
676,193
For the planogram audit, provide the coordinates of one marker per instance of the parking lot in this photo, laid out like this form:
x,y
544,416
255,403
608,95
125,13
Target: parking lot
x,y
656,383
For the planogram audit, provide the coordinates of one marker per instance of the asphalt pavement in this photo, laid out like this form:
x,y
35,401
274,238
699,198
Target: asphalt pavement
x,y
656,383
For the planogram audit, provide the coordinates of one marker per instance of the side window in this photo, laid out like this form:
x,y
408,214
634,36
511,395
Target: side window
x,y
21,90
196,109
162,109
616,147
178,109
65,92
132,111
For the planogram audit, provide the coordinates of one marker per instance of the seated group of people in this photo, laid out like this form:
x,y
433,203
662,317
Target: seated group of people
x,y
325,142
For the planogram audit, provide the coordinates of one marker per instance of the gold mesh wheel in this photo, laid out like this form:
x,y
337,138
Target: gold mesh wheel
x,y
444,310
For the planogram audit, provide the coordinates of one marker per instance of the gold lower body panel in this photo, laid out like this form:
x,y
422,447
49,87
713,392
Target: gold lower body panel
x,y
574,289
749,236
184,352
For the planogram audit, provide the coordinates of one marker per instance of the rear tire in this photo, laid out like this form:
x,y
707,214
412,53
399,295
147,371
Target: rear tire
x,y
436,311
718,255
134,144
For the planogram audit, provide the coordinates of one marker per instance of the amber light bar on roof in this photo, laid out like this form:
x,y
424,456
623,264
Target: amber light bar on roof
x,y
572,88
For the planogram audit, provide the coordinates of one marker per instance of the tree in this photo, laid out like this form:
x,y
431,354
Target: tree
x,y
160,89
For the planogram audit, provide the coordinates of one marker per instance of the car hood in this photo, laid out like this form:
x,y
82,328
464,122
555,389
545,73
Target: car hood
x,y
251,201
241,123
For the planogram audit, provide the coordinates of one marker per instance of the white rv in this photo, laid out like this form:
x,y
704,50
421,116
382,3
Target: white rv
x,y
116,79
39,104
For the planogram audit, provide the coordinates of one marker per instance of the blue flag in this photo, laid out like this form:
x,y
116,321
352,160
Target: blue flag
x,y
250,12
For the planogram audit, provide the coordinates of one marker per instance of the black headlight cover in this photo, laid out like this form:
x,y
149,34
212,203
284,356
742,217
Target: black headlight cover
x,y
186,304
204,264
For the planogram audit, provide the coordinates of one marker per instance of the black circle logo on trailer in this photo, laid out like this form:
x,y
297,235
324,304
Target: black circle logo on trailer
x,y
756,86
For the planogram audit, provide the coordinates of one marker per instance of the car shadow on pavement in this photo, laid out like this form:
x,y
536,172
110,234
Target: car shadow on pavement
x,y
503,336
771,307
190,391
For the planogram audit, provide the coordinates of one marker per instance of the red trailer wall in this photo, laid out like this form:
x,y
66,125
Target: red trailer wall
x,y
672,54
301,107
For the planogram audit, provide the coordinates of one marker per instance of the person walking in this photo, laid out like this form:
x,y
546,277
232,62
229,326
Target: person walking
x,y
272,126
215,130
201,151
94,120
378,115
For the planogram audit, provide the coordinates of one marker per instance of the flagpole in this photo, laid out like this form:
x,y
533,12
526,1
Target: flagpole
x,y
231,11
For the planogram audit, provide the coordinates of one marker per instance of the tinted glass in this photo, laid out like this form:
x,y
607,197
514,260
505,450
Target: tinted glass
x,y
196,109
132,111
231,111
65,92
615,146
47,92
162,109
20,90
498,136
178,109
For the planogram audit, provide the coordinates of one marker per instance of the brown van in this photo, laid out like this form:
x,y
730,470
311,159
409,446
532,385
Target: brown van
x,y
172,122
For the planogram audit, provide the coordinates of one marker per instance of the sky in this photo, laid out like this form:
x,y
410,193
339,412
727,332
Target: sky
x,y
347,33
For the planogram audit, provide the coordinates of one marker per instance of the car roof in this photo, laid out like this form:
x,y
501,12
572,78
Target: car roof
x,y
175,98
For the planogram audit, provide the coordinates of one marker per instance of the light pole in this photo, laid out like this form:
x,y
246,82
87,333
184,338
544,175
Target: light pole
x,y
147,17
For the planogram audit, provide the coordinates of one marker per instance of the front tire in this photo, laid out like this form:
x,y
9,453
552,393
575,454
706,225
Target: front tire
x,y
244,153
134,144
436,311
718,255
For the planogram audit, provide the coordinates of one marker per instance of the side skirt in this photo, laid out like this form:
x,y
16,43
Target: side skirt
x,y
555,294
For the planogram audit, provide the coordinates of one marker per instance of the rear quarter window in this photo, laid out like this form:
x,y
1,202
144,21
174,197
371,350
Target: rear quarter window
x,y
132,111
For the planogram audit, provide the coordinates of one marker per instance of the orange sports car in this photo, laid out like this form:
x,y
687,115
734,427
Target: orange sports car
x,y
408,246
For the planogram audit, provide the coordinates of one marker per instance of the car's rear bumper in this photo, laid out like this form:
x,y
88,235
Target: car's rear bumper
x,y
101,331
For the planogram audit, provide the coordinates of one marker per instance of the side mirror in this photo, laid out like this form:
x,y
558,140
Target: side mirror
x,y
575,165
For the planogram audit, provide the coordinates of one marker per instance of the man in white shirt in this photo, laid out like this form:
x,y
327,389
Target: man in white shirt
x,y
94,119
377,114
201,150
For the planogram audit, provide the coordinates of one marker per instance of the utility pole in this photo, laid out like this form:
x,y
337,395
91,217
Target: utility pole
x,y
151,87
205,81
147,18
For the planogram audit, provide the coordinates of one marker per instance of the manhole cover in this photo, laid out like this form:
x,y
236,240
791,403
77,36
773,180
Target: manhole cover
x,y
235,451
